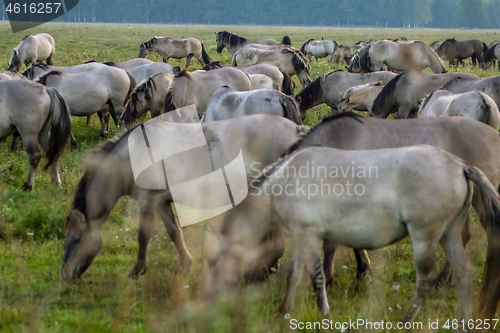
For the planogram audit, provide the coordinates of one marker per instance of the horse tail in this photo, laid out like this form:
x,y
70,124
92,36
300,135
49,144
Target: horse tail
x,y
204,55
169,101
15,62
131,87
290,109
364,59
233,61
490,210
303,48
60,126
486,111
287,84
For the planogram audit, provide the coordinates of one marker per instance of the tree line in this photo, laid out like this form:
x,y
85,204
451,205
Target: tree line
x,y
378,13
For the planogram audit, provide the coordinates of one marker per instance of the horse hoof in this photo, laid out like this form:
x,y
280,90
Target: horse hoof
x,y
26,187
136,272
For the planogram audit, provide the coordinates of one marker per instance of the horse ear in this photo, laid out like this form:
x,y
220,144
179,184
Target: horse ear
x,y
77,219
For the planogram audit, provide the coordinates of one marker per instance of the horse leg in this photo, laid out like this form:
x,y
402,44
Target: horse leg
x,y
104,118
455,253
73,142
31,145
188,60
146,221
199,58
13,146
363,263
175,234
403,112
474,60
49,59
424,254
89,118
329,248
293,279
446,274
316,274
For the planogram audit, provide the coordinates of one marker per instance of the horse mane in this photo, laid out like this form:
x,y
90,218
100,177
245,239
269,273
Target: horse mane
x,y
490,54
213,65
304,45
426,100
325,121
93,161
25,37
182,73
312,92
364,58
90,62
43,79
298,60
286,41
231,39
14,60
110,63
451,40
146,87
387,91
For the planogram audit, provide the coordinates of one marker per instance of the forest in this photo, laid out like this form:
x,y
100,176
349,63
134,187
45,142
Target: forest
x,y
469,14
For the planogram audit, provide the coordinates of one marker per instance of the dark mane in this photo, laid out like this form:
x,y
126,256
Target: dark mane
x,y
183,73
80,199
43,79
231,39
298,60
310,94
286,41
110,63
490,54
386,92
25,37
90,61
304,45
451,40
323,122
146,87
213,65
14,61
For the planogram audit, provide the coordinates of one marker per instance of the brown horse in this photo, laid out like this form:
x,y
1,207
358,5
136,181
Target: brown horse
x,y
452,49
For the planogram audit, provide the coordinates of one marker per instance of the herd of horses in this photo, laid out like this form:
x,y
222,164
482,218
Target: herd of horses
x,y
430,169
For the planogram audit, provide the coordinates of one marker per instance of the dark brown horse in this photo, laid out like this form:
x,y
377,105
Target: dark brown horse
x,y
452,49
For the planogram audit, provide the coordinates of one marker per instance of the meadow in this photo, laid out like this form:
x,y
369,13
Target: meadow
x,y
32,297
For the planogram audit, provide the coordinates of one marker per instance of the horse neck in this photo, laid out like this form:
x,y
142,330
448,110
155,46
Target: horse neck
x,y
435,62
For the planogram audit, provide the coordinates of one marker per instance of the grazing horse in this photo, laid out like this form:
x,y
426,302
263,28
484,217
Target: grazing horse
x,y
89,92
344,54
475,143
490,86
491,56
382,213
176,48
32,50
40,116
452,49
227,103
39,70
149,95
360,97
319,48
404,93
330,87
285,84
234,43
290,61
198,87
108,176
473,105
397,56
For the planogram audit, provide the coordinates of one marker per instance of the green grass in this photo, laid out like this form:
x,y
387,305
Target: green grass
x,y
32,299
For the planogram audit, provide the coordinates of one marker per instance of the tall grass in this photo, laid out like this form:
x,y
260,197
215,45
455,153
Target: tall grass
x,y
32,299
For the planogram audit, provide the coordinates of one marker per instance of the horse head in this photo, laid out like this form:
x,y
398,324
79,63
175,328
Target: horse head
x,y
143,51
220,41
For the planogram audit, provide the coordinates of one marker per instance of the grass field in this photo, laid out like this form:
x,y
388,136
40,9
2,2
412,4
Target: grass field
x,y
32,298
